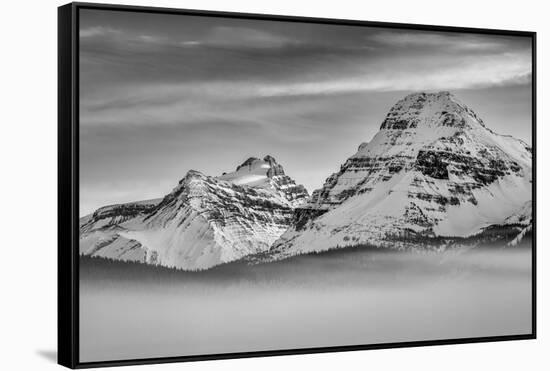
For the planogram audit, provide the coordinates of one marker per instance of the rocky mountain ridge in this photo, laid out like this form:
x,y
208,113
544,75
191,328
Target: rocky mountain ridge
x,y
203,222
433,177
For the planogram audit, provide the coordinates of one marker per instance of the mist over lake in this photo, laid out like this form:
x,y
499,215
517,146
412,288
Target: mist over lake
x,y
348,297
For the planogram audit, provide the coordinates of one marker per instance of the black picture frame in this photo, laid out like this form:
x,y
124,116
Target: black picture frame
x,y
68,184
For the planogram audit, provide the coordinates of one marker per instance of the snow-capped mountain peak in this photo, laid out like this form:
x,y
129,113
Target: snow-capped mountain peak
x,y
434,169
254,171
268,174
423,110
204,221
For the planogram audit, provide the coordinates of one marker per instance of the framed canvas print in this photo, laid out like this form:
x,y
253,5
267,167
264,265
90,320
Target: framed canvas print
x,y
236,185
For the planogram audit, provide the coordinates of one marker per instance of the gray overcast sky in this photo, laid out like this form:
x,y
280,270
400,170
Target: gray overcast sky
x,y
162,94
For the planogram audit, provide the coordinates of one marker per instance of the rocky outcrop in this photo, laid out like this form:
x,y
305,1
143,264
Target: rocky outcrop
x,y
267,173
274,168
116,214
99,232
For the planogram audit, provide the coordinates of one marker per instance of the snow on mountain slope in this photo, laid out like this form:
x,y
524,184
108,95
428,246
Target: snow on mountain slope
x,y
99,231
252,172
203,222
433,169
523,218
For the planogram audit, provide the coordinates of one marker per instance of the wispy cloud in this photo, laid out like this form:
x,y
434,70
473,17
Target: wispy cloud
x,y
221,36
97,31
254,61
460,42
245,36
195,101
166,94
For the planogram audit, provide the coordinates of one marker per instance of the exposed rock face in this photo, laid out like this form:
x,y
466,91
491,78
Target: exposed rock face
x,y
99,231
434,169
253,163
274,168
116,214
267,173
204,221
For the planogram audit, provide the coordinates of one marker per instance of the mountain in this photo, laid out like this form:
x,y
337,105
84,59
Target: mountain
x,y
203,222
434,176
433,170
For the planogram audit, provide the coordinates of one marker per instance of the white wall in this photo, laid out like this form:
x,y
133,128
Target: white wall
x,y
28,167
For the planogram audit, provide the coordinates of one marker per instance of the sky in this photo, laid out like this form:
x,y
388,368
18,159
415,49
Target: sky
x,y
162,94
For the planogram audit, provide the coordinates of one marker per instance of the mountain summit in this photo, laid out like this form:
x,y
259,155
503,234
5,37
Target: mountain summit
x,y
422,110
434,169
267,174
